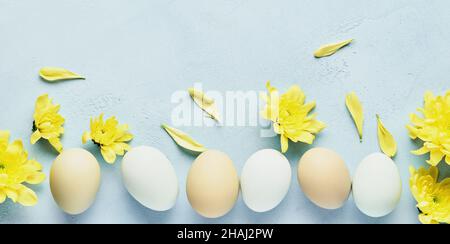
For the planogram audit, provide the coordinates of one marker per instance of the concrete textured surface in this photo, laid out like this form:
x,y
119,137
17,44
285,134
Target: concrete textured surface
x,y
136,54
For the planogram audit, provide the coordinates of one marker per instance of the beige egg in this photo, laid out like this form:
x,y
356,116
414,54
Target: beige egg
x,y
212,184
75,180
324,178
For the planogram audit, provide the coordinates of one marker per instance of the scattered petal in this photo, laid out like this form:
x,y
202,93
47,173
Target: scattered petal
x,y
330,49
184,140
206,103
355,108
386,140
53,74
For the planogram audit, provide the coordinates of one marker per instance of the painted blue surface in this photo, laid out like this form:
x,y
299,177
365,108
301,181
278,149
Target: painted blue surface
x,y
137,53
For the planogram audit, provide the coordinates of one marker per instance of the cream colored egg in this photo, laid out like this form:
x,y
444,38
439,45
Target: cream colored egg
x,y
75,180
212,184
324,178
150,178
377,186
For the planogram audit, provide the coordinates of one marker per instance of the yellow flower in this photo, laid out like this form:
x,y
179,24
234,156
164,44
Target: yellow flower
x,y
433,198
16,169
48,124
289,113
433,128
111,137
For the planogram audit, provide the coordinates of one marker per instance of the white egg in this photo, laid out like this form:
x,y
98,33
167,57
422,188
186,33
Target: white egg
x,y
150,178
377,186
265,180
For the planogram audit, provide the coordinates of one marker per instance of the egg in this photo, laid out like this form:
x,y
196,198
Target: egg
x,y
377,186
75,180
212,184
324,178
150,178
265,180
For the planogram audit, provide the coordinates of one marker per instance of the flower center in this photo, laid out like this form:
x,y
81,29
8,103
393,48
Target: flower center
x,y
96,143
2,166
34,127
435,199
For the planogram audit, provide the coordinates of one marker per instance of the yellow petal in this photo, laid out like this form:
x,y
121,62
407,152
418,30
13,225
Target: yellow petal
x,y
35,178
86,137
56,143
108,154
426,219
126,137
421,151
355,108
4,139
120,148
434,172
57,74
2,196
204,102
284,143
436,157
386,140
35,137
413,131
184,140
12,194
306,137
330,49
27,197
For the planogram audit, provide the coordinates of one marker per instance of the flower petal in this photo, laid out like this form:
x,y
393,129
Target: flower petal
x,y
436,157
56,143
4,139
206,103
2,196
284,143
426,219
12,194
183,139
35,137
386,140
56,74
86,137
413,132
421,151
27,197
35,178
108,154
355,108
434,173
305,137
330,49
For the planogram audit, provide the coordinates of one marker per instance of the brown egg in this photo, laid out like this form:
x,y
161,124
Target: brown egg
x,y
212,184
324,178
75,180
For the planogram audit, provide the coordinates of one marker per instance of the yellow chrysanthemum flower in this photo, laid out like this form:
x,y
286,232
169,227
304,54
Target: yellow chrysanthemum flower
x,y
111,137
16,169
433,198
289,114
433,129
48,124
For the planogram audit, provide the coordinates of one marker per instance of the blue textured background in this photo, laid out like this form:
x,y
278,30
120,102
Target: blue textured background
x,y
137,53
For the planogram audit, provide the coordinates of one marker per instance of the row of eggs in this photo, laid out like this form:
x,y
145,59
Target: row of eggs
x,y
213,184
